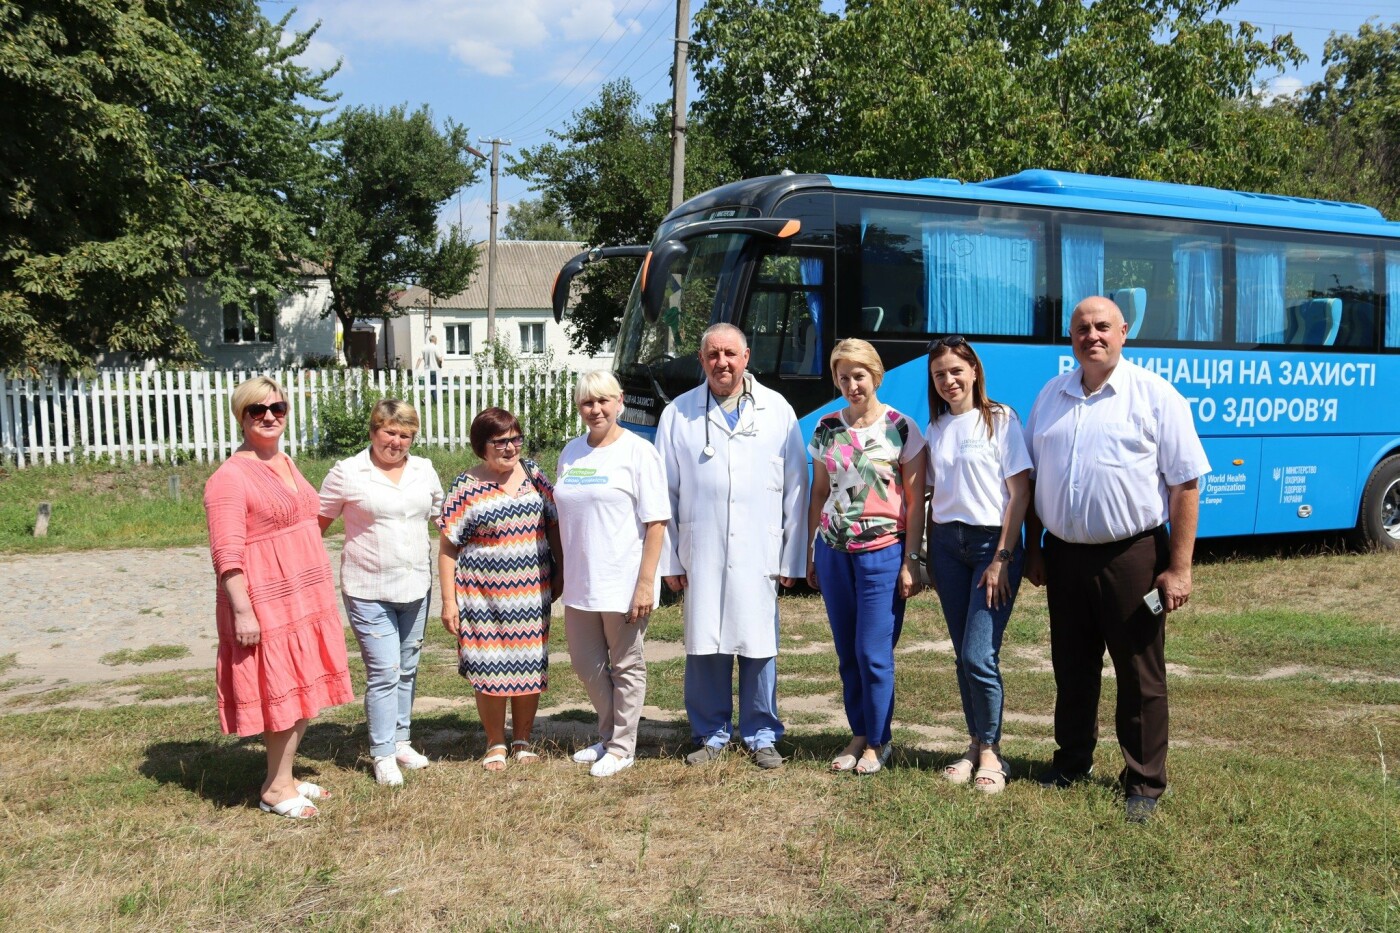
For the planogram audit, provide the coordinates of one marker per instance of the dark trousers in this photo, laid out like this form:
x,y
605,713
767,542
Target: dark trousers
x,y
1095,596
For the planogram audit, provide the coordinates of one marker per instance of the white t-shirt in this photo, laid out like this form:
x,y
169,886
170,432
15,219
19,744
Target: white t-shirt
x,y
605,497
967,470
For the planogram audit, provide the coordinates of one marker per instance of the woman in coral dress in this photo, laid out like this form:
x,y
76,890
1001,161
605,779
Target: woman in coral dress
x,y
499,568
281,642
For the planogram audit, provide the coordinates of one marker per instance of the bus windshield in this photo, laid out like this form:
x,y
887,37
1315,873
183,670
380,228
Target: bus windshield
x,y
701,279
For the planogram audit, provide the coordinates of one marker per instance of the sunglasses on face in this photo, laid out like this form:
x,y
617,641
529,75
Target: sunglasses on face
x,y
951,341
503,444
278,409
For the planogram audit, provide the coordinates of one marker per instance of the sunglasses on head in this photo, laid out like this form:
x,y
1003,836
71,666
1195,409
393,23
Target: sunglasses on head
x,y
278,409
951,341
505,443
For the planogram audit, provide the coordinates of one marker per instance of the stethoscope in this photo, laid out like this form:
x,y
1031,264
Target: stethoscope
x,y
709,449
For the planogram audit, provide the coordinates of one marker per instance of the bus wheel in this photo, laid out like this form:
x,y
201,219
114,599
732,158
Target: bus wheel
x,y
1379,526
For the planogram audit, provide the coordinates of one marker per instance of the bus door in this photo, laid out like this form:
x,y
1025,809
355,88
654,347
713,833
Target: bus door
x,y
785,318
1230,491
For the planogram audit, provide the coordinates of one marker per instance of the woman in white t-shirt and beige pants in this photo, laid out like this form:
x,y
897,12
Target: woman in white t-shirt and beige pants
x,y
979,473
613,507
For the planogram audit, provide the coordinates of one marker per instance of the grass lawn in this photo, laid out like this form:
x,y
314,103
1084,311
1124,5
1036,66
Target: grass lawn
x,y
1284,812
107,505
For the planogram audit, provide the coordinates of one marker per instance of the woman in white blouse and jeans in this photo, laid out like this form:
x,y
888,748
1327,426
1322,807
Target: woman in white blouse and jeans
x,y
387,497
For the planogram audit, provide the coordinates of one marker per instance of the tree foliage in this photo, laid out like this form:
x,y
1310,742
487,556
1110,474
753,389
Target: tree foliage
x,y
141,142
610,170
971,89
389,178
1353,121
537,219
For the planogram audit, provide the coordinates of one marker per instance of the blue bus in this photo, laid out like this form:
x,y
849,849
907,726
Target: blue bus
x,y
1277,318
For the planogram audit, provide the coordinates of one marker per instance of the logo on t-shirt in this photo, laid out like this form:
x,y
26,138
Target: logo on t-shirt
x,y
583,476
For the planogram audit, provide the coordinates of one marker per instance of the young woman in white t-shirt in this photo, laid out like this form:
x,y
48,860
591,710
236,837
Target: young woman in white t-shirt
x,y
613,507
979,474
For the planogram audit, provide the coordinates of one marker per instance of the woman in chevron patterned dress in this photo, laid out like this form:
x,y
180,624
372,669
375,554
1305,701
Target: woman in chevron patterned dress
x,y
500,570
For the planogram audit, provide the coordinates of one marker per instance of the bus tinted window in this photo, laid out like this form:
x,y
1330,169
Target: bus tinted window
x,y
1304,293
936,272
784,313
1168,284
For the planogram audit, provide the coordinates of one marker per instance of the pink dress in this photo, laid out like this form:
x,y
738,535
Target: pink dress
x,y
270,532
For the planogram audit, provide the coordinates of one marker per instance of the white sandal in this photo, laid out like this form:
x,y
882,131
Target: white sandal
x,y
497,759
960,771
995,778
312,791
293,808
522,752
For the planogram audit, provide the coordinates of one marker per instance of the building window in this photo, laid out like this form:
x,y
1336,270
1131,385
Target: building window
x,y
255,325
607,346
532,339
459,339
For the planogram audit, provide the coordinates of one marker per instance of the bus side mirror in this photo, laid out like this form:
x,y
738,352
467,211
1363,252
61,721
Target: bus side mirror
x,y
559,295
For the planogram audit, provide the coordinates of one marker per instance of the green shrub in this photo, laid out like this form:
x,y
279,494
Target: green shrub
x,y
344,419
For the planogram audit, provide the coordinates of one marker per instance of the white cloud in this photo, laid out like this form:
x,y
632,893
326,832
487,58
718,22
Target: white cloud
x,y
322,55
487,35
1284,86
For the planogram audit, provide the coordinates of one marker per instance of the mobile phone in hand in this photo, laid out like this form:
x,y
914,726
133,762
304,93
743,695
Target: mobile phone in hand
x,y
1153,601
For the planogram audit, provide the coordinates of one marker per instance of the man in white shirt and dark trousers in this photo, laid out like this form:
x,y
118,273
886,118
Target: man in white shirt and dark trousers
x,y
1116,458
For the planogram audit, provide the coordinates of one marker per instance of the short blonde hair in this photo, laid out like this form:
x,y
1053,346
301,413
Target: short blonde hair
x,y
860,352
250,392
600,383
392,411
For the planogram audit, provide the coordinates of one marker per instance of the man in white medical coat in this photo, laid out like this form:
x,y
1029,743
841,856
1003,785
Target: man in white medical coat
x,y
736,465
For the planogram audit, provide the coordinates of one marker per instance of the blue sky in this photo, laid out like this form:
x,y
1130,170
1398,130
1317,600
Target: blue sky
x,y
518,68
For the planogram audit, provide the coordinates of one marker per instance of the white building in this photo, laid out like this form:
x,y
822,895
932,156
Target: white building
x,y
283,330
525,273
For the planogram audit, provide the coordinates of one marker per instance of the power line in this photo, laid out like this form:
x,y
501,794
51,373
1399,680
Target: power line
x,y
581,59
543,123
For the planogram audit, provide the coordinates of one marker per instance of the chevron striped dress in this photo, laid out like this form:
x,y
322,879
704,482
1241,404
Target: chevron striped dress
x,y
503,569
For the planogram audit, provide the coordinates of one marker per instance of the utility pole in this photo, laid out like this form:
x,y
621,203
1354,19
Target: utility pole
x,y
678,82
496,145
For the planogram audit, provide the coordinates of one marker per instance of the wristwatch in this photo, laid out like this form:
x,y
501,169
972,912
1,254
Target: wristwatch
x,y
1003,555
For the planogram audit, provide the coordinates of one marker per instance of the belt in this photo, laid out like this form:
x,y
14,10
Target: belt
x,y
1131,539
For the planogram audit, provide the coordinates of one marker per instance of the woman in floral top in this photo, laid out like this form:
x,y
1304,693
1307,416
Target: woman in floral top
x,y
867,501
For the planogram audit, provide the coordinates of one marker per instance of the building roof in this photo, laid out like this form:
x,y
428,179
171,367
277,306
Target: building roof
x,y
525,272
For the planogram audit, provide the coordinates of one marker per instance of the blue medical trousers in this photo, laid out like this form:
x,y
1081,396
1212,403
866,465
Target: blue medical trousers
x,y
709,699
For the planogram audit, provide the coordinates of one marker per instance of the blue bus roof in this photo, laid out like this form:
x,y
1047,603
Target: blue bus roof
x,y
1104,193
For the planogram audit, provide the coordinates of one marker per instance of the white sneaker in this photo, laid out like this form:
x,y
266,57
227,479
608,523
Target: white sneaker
x,y
410,759
586,756
386,771
609,765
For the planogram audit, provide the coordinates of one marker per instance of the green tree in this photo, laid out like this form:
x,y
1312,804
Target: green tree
x,y
141,142
610,171
390,176
914,88
536,219
1353,119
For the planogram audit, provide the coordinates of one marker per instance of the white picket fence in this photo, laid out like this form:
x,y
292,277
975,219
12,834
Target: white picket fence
x,y
141,416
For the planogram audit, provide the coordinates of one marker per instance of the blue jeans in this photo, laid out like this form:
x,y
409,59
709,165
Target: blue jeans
x,y
391,638
861,592
957,556
709,699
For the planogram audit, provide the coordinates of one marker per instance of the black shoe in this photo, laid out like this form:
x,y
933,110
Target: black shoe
x,y
1055,779
1140,808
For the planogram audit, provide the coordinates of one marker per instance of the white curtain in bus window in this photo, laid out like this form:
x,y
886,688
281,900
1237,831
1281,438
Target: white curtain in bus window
x,y
981,274
1260,307
1392,299
1081,267
1197,264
